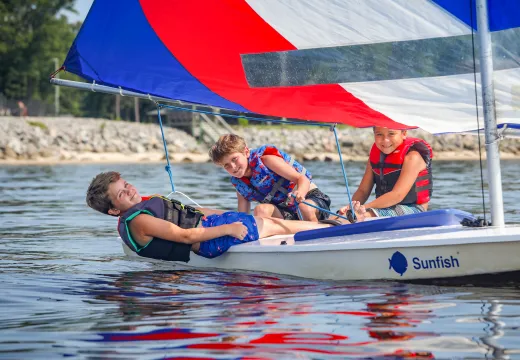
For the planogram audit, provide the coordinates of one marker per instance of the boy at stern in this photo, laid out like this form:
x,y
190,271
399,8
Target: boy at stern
x,y
269,176
400,168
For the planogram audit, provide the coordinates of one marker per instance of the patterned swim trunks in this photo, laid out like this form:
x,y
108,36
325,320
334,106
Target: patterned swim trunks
x,y
398,210
216,247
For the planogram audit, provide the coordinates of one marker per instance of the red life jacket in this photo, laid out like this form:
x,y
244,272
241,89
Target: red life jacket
x,y
387,168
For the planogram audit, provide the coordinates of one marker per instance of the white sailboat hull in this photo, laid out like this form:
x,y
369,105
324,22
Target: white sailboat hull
x,y
427,253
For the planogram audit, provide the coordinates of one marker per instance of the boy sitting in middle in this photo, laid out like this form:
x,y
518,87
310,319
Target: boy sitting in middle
x,y
269,176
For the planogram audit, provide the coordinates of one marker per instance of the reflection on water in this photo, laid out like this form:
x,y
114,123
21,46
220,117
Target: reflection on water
x,y
67,289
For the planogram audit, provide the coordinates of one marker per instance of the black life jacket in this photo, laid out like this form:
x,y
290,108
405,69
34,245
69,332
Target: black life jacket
x,y
387,168
170,210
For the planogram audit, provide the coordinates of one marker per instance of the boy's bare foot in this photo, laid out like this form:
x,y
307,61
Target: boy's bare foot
x,y
359,210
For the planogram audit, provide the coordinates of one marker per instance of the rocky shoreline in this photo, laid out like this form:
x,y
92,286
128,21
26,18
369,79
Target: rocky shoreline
x,y
40,140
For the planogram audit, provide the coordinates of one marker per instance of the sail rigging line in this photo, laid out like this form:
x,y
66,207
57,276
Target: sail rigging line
x,y
476,106
53,75
331,127
353,220
168,168
183,194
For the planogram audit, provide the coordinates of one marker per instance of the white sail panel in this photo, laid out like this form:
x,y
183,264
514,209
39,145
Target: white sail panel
x,y
435,104
318,23
441,104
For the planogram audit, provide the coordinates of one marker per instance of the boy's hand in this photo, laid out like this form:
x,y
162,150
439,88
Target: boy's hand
x,y
238,230
297,195
346,208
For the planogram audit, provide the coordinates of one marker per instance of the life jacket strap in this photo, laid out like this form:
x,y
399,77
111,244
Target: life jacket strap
x,y
278,185
422,188
423,177
383,165
130,218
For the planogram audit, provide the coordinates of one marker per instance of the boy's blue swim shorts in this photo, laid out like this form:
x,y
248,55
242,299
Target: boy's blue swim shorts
x,y
216,247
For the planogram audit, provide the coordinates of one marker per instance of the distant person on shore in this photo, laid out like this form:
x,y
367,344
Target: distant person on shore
x,y
400,167
22,109
164,229
271,177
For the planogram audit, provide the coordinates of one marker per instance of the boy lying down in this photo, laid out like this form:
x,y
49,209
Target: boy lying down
x,y
164,229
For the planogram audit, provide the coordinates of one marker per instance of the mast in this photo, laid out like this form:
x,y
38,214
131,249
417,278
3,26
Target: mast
x,y
490,124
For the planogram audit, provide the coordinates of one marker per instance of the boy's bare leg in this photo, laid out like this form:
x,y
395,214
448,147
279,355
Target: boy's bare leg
x,y
308,213
272,226
208,211
267,210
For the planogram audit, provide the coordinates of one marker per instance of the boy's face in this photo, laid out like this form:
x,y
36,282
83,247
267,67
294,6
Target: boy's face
x,y
236,164
387,140
123,196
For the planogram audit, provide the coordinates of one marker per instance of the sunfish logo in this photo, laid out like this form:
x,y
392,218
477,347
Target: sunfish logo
x,y
438,263
399,263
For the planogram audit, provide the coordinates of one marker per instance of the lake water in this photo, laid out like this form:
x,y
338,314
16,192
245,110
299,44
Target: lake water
x,y
67,289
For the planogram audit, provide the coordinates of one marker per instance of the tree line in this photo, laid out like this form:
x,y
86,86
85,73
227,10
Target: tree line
x,y
35,37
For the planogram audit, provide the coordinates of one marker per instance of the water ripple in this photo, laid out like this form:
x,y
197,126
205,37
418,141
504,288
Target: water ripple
x,y
69,291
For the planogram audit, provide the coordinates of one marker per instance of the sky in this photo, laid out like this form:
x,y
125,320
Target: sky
x,y
82,6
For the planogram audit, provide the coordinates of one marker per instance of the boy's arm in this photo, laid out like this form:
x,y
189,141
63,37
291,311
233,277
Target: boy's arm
x,y
244,205
145,227
364,189
413,164
279,166
208,211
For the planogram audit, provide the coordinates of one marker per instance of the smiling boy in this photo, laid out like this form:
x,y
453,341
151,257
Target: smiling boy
x,y
271,177
165,229
400,167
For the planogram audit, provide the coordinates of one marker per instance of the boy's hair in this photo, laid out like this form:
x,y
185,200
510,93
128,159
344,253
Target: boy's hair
x,y
97,193
374,128
226,144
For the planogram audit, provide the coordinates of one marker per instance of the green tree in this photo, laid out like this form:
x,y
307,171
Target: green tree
x,y
31,36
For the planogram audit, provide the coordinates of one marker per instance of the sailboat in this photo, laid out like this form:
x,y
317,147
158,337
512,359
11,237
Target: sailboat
x,y
435,64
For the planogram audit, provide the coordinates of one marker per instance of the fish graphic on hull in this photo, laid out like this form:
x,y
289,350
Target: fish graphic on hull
x,y
398,262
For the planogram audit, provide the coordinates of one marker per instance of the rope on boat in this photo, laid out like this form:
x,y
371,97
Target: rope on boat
x,y
352,220
168,168
300,216
479,222
476,106
351,214
183,194
333,128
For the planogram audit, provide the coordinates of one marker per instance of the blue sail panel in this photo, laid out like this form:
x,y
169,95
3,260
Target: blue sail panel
x,y
503,14
124,51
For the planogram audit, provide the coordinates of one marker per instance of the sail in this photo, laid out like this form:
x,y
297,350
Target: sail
x,y
393,63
